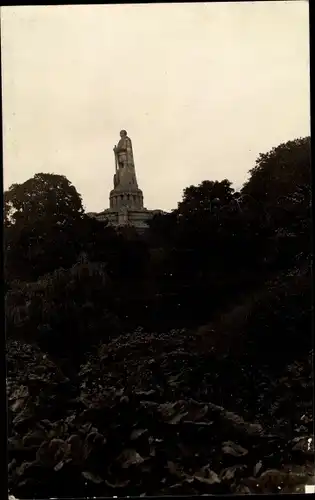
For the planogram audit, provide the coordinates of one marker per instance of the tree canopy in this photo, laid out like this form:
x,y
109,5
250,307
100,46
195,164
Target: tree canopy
x,y
42,196
281,183
285,171
41,221
201,197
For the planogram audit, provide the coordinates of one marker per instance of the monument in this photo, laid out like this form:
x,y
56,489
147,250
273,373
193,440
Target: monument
x,y
125,199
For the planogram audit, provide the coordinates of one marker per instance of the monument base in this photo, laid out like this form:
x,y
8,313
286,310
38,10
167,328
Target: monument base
x,y
127,217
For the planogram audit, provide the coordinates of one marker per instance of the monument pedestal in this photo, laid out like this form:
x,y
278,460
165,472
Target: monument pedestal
x,y
135,218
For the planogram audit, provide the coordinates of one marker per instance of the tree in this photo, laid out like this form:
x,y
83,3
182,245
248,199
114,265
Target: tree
x,y
161,229
284,171
41,226
201,197
41,196
281,184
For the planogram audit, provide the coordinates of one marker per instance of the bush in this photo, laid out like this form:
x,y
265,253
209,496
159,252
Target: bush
x,y
65,312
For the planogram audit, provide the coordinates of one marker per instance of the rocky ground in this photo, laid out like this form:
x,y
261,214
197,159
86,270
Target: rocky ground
x,y
156,414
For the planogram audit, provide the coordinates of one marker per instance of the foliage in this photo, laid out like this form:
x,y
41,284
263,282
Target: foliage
x,y
201,198
265,326
192,263
64,312
41,196
281,180
281,183
134,423
282,171
41,223
175,362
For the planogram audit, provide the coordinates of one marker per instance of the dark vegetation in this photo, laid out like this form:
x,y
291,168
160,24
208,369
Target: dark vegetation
x,y
173,362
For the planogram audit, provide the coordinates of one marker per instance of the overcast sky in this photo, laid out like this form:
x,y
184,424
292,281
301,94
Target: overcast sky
x,y
201,89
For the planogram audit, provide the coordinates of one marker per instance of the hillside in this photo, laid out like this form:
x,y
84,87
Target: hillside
x,y
176,362
157,414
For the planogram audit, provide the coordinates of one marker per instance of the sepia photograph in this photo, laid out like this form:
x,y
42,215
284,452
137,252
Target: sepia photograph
x,y
157,249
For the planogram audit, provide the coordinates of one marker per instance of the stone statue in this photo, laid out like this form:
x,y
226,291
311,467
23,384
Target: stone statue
x,y
123,151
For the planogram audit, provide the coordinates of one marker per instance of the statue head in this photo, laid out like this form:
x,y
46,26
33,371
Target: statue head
x,y
123,133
